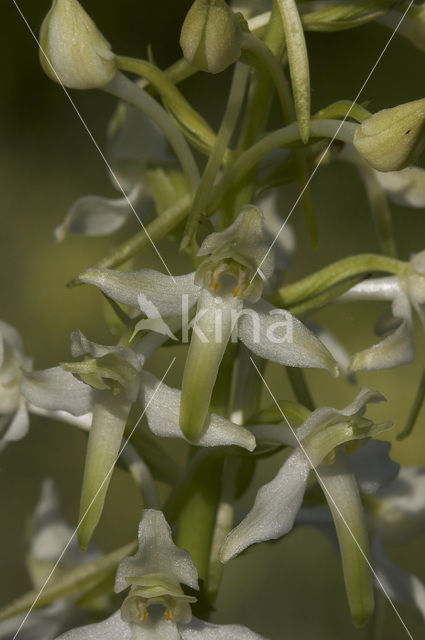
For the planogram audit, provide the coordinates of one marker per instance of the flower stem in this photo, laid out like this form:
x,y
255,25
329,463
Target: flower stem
x,y
414,409
153,232
234,104
381,212
191,120
270,61
299,387
198,514
126,90
334,274
284,137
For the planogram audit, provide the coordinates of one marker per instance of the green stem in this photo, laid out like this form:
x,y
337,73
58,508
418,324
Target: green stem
x,y
124,89
223,523
184,112
198,514
153,232
270,61
299,387
284,137
415,409
234,104
343,109
335,273
256,116
381,212
325,297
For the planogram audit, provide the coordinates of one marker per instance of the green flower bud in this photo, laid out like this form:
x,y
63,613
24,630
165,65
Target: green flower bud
x,y
211,36
78,55
392,138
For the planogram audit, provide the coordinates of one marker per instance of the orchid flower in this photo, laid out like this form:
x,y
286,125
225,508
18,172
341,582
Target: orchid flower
x,y
156,607
405,293
49,536
277,503
134,144
227,288
13,406
110,380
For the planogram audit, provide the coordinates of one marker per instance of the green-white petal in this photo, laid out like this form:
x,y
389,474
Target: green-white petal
x,y
157,555
274,334
165,292
162,407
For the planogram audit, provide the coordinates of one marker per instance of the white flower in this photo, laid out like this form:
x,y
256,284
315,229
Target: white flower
x,y
78,55
404,292
110,381
278,502
13,406
134,144
156,607
227,287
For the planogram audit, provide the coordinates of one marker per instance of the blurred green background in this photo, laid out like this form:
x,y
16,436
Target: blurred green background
x,y
290,589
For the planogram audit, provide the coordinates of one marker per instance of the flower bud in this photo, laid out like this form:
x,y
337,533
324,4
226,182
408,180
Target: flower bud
x,y
211,36
78,56
392,138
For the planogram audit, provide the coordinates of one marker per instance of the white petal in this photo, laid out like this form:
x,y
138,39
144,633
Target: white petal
x,y
373,289
155,628
246,237
8,333
163,409
200,630
335,348
157,554
166,294
133,136
405,187
112,628
81,346
50,534
275,508
372,466
55,390
18,428
82,422
274,334
97,216
328,415
400,585
394,350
